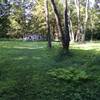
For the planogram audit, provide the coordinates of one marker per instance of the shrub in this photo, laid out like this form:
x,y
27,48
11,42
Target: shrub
x,y
70,74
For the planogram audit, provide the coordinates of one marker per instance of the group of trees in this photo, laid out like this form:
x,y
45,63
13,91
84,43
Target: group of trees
x,y
67,20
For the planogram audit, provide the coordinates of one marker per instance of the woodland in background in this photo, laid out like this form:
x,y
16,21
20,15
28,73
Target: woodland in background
x,y
69,20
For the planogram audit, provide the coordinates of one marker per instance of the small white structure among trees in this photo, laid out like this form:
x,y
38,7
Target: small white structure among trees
x,y
34,37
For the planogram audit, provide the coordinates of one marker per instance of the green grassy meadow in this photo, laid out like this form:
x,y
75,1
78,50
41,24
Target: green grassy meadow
x,y
31,71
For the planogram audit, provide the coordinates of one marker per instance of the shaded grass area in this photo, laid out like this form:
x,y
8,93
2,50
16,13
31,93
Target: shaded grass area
x,y
30,71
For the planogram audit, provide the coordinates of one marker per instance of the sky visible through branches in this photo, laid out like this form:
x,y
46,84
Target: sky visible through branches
x,y
26,5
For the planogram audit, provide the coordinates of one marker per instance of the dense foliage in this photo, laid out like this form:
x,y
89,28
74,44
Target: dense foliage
x,y
27,17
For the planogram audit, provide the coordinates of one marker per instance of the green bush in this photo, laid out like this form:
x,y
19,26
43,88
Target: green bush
x,y
70,74
75,84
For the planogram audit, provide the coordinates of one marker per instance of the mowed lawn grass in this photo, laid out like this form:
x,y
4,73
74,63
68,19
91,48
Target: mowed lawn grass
x,y
31,71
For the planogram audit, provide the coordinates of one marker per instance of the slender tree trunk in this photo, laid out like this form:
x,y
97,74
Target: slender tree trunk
x,y
91,35
48,24
92,30
85,20
70,26
71,31
58,20
78,35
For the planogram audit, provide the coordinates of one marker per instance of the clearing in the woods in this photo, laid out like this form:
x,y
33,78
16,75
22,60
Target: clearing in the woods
x,y
30,71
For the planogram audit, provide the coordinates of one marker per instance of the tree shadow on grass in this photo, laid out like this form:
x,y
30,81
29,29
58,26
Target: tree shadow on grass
x,y
78,57
46,57
62,54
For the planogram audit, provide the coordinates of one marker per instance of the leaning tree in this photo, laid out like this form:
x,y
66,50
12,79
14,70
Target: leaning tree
x,y
64,33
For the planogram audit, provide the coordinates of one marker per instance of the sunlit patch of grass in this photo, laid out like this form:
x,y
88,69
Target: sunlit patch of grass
x,y
87,46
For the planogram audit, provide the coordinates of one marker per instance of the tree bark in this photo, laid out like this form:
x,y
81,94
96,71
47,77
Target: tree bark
x,y
64,37
70,25
85,20
58,20
66,33
92,27
78,34
48,24
71,31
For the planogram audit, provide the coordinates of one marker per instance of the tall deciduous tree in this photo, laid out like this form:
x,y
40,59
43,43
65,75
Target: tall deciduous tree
x,y
57,16
63,33
47,23
70,22
66,25
78,33
85,20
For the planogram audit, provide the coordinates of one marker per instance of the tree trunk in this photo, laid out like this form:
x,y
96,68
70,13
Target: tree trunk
x,y
71,31
66,33
70,25
85,20
78,35
92,27
64,37
58,20
48,24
